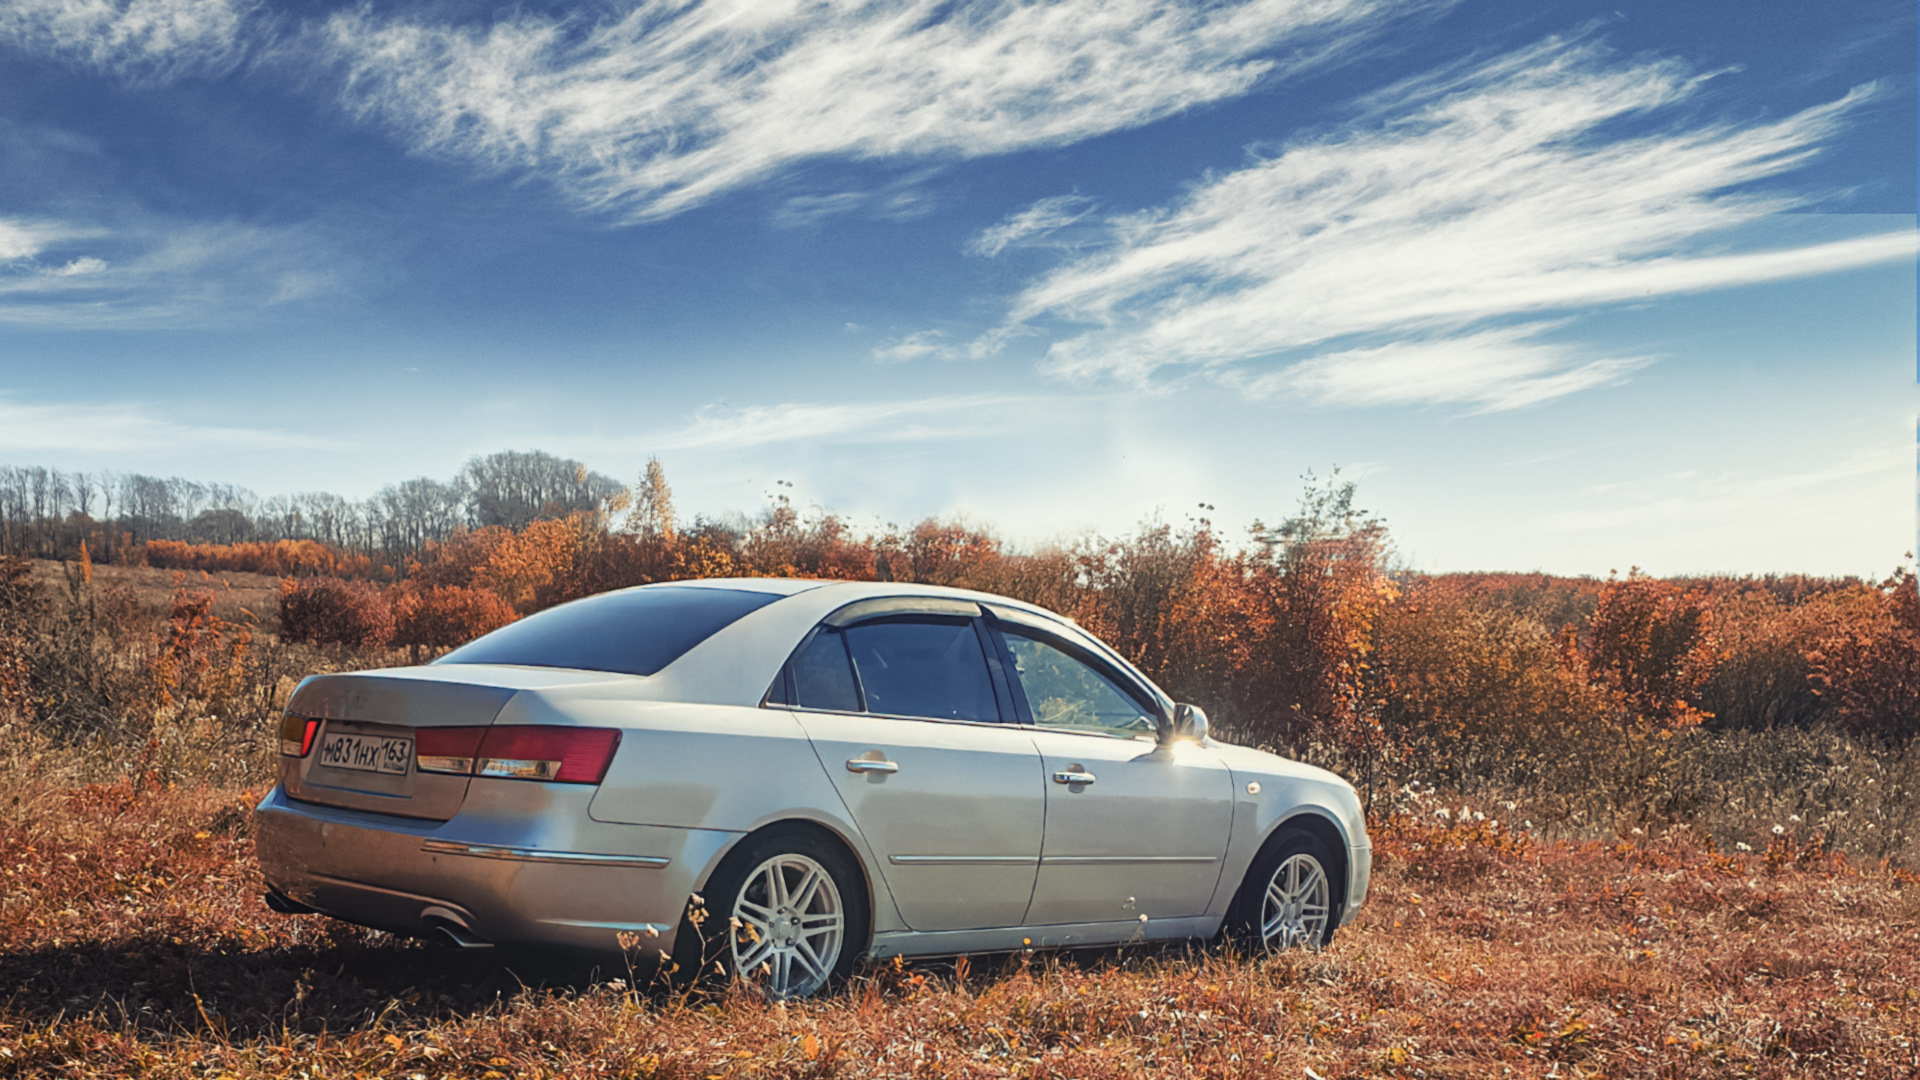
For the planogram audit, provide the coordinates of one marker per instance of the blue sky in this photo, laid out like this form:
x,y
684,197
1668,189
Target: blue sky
x,y
1566,286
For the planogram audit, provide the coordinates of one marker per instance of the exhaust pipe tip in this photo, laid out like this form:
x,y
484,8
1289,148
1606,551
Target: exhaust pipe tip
x,y
448,929
286,905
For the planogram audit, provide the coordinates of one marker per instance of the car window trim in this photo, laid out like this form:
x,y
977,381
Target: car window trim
x,y
995,724
998,676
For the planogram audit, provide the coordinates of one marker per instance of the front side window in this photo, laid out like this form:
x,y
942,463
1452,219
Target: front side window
x,y
925,667
1065,692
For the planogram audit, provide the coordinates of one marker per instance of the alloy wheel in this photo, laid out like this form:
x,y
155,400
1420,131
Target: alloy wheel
x,y
1294,911
788,926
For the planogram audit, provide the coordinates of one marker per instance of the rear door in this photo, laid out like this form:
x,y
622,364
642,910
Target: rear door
x,y
1133,828
906,716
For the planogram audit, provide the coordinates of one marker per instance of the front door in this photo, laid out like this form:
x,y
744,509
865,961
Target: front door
x,y
904,716
1133,828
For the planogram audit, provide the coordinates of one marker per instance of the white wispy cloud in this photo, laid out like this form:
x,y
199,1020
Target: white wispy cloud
x,y
21,239
916,346
1379,262
654,111
40,428
916,420
1503,368
1043,218
144,271
144,40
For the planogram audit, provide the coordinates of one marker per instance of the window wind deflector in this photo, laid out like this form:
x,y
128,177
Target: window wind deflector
x,y
881,607
1013,616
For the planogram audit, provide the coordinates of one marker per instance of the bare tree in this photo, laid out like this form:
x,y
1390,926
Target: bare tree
x,y
514,488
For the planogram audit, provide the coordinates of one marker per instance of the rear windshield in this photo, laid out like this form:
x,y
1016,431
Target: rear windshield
x,y
635,632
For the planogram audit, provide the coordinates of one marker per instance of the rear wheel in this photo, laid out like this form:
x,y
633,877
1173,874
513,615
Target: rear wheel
x,y
786,912
1286,901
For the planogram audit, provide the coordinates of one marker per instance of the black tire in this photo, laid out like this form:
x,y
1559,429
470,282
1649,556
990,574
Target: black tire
x,y
718,933
1260,920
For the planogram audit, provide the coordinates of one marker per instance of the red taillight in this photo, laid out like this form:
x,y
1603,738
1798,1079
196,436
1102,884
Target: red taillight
x,y
296,735
568,755
447,749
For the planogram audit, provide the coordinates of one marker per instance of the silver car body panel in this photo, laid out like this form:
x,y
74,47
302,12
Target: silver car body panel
x,y
956,824
1155,847
1145,836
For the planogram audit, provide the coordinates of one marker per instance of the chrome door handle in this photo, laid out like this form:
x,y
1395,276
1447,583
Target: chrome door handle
x,y
1070,776
861,764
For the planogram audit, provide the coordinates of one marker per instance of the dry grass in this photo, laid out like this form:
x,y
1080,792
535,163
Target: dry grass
x,y
133,942
234,594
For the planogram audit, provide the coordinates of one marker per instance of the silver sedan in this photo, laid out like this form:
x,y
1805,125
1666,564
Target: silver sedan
x,y
778,777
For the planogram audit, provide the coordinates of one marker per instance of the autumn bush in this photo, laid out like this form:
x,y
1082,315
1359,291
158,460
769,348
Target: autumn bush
x,y
279,558
331,611
438,617
1869,668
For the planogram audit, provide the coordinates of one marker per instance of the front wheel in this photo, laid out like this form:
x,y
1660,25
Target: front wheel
x,y
785,912
1286,901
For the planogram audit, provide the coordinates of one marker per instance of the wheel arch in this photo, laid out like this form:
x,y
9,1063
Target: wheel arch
x,y
826,831
1325,828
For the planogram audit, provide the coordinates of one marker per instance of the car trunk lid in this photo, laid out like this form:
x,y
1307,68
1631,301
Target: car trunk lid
x,y
363,754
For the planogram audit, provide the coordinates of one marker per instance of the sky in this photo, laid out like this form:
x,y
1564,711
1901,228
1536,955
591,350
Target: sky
x,y
1562,286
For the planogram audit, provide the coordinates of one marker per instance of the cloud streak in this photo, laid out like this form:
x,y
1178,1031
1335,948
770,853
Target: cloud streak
x,y
140,40
1044,218
917,420
1386,261
648,114
129,429
149,272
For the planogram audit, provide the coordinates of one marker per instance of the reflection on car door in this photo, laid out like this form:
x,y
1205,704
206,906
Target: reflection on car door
x,y
950,799
1132,827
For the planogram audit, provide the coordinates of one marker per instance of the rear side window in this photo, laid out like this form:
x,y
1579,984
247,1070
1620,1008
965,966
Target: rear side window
x,y
823,676
923,667
633,632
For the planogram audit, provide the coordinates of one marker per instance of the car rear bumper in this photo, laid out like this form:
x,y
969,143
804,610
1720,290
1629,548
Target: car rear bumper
x,y
520,863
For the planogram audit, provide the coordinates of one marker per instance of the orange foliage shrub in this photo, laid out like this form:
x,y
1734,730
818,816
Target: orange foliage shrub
x,y
1176,606
529,569
442,616
1651,644
333,611
281,558
457,560
940,553
1317,602
1870,668
204,657
1768,631
1474,680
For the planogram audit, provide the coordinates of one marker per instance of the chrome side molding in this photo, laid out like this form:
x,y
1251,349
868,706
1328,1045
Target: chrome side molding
x,y
572,858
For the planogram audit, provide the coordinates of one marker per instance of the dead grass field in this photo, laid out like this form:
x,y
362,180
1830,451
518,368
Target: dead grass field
x,y
234,594
133,943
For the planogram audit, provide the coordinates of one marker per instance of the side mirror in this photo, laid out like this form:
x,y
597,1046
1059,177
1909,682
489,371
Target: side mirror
x,y
1189,722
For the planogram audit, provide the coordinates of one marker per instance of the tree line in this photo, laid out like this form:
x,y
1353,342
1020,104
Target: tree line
x,y
49,513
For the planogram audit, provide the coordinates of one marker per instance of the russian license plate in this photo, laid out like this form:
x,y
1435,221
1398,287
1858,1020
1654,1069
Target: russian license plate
x,y
366,753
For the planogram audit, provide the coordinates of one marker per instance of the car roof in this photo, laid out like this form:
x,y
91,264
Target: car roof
x,y
779,586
